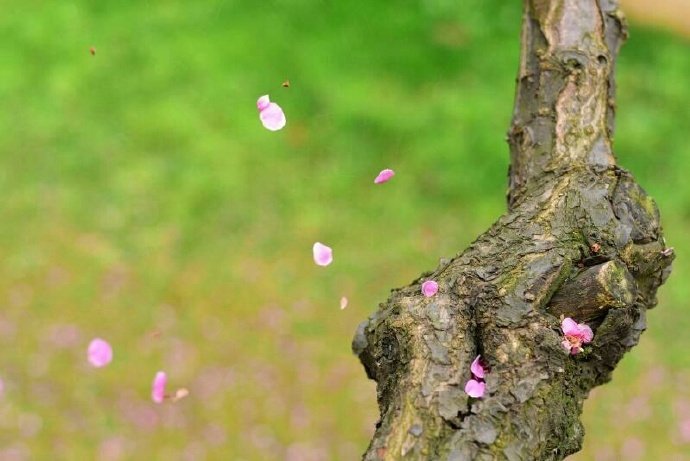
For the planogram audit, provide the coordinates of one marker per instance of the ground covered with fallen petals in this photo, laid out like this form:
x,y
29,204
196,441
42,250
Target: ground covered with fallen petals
x,y
143,202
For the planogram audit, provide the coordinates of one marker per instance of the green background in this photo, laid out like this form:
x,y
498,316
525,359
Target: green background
x,y
141,201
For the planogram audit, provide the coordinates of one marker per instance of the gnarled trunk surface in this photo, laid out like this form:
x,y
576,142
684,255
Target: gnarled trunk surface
x,y
581,239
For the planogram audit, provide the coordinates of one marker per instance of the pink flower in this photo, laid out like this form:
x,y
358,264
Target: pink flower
x,y
575,335
271,115
384,176
99,353
323,255
158,387
429,288
475,388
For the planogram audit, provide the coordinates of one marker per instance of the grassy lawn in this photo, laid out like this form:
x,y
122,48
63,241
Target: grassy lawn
x,y
142,202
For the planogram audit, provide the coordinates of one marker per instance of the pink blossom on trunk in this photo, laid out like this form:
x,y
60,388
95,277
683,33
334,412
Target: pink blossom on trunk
x,y
475,388
476,368
429,288
575,335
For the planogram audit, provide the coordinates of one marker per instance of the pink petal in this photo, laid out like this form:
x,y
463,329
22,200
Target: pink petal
x,y
323,255
384,176
575,350
566,345
2,387
475,388
343,302
263,102
429,288
272,117
477,368
99,353
158,387
570,327
585,333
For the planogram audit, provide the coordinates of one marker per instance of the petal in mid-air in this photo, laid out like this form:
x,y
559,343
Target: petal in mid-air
x,y
271,115
158,387
323,255
384,176
99,353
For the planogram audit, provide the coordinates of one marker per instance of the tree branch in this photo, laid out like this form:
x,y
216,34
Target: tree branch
x,y
564,104
581,239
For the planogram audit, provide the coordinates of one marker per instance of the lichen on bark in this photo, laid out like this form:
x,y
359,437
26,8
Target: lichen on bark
x,y
581,239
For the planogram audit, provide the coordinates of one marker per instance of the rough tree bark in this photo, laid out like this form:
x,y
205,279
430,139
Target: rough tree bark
x,y
580,239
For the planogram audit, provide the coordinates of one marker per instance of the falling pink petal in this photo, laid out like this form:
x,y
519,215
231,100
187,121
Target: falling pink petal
x,y
158,387
384,176
271,115
263,102
323,255
2,387
477,368
475,388
429,288
99,353
343,302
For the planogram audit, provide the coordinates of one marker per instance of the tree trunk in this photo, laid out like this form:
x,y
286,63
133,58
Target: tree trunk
x,y
580,239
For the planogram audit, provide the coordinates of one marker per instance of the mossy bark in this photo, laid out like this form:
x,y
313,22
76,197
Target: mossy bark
x,y
580,239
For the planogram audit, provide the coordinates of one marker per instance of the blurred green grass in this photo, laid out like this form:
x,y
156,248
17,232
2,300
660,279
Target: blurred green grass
x,y
143,202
